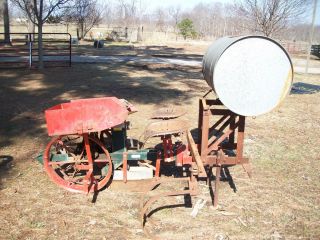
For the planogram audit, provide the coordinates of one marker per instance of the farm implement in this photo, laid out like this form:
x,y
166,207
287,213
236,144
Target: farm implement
x,y
90,148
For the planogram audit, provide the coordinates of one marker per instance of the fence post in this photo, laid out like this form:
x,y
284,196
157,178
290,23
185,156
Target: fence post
x,y
70,51
30,50
311,34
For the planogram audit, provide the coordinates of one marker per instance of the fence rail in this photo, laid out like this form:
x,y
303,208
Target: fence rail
x,y
24,51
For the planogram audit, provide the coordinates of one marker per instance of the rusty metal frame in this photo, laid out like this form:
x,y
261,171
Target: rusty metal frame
x,y
220,143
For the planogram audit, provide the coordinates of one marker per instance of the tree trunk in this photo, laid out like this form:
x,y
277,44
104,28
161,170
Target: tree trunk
x,y
31,29
126,33
6,23
175,31
82,30
40,48
139,35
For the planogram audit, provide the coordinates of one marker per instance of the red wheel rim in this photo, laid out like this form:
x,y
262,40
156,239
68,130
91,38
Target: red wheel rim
x,y
71,185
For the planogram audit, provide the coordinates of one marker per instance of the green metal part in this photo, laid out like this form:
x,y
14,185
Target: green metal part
x,y
117,157
144,154
39,158
119,136
54,157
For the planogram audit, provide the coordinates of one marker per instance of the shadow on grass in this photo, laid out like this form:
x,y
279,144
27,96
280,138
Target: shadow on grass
x,y
169,52
225,176
25,94
304,88
108,49
112,49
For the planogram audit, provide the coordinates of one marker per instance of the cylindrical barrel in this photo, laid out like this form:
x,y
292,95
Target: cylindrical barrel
x,y
251,75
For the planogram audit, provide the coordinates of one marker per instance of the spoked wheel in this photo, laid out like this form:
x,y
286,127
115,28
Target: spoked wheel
x,y
78,163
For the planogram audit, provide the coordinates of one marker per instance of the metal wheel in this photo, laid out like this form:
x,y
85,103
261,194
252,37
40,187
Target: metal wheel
x,y
78,163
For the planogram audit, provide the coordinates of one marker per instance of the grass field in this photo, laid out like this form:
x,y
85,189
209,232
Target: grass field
x,y
281,201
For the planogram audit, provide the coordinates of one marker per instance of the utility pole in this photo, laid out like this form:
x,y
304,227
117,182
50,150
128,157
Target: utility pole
x,y
311,34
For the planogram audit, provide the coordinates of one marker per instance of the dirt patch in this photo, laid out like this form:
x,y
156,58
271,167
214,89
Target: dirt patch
x,y
282,199
164,66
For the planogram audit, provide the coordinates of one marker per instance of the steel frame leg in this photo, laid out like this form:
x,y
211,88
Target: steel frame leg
x,y
216,186
158,165
125,166
89,176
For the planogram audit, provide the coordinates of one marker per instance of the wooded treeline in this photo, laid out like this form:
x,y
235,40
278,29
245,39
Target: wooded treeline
x,y
283,19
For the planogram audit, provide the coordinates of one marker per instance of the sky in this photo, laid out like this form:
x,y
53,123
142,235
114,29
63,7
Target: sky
x,y
188,4
184,4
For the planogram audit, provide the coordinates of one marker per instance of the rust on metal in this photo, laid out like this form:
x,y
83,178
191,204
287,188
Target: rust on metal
x,y
193,149
125,166
168,113
158,165
162,128
76,173
220,158
217,144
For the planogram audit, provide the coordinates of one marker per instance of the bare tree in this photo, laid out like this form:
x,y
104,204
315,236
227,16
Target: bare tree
x,y
202,24
175,14
38,12
86,14
271,16
6,22
127,15
127,12
141,14
22,18
208,19
108,16
161,17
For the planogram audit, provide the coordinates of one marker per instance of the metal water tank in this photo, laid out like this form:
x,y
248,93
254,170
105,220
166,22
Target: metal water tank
x,y
251,75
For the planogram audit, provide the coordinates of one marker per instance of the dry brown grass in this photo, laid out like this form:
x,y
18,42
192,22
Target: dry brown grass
x,y
282,199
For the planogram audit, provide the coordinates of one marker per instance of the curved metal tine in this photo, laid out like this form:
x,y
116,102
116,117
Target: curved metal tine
x,y
156,183
145,205
145,213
